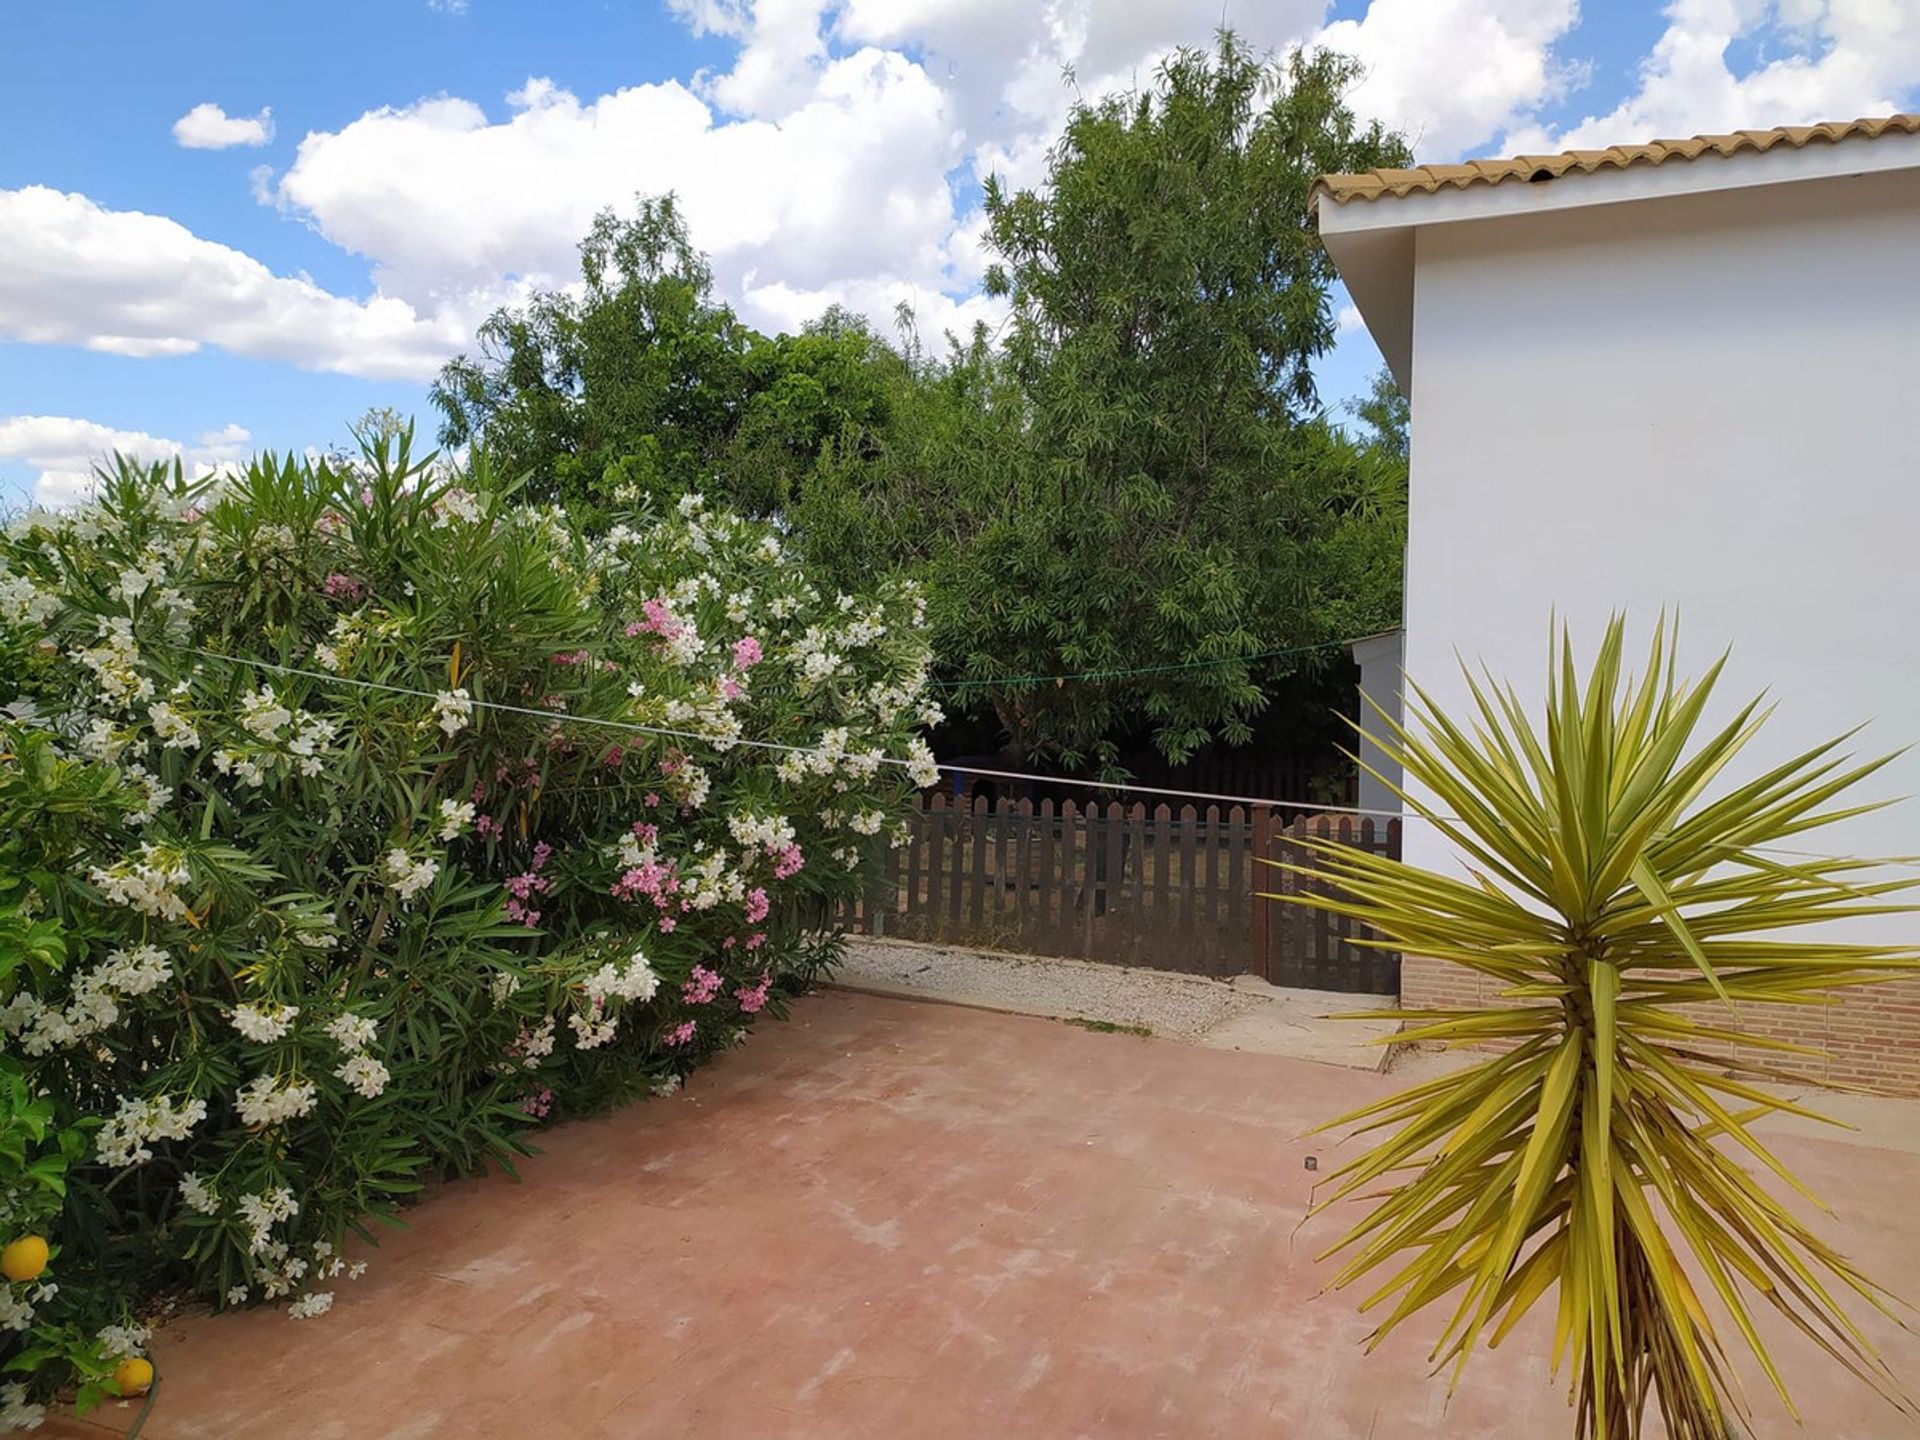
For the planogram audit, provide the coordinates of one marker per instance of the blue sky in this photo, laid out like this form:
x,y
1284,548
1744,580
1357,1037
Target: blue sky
x,y
232,226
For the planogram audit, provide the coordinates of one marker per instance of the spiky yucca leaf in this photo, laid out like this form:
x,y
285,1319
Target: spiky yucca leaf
x,y
1605,1155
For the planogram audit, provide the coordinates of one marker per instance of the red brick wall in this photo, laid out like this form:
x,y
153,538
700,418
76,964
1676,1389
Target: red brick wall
x,y
1870,1034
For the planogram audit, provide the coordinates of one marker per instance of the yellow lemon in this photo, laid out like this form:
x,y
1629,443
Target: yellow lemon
x,y
24,1259
133,1375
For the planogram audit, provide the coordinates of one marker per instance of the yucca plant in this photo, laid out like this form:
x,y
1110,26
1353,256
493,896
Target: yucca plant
x,y
1629,911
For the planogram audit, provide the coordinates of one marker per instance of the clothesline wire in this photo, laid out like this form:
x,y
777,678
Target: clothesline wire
x,y
1005,680
700,738
697,737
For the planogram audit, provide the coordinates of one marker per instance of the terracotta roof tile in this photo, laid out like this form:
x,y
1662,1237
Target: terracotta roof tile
x,y
1427,179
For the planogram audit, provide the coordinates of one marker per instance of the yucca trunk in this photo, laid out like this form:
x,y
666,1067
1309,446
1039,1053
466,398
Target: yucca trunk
x,y
1605,893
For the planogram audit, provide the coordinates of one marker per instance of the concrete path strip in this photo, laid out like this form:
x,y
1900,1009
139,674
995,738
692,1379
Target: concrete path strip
x,y
1244,1013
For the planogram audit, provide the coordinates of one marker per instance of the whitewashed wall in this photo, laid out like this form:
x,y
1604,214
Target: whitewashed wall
x,y
1705,403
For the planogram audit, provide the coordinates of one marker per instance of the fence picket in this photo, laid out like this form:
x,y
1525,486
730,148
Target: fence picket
x,y
1186,897
956,868
1047,896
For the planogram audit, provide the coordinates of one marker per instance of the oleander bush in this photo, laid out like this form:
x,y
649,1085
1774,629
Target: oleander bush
x,y
356,819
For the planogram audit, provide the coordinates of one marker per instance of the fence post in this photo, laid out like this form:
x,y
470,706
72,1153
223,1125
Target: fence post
x,y
1262,845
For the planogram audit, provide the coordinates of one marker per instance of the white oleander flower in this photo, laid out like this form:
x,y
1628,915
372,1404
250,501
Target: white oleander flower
x,y
138,971
590,1032
364,1074
921,767
314,1302
408,876
453,709
456,818
196,1196
352,1033
263,1022
265,1101
262,714
260,1213
123,1139
171,728
125,1341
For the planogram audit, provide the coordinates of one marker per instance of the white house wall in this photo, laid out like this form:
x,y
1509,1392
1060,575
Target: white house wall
x,y
1708,405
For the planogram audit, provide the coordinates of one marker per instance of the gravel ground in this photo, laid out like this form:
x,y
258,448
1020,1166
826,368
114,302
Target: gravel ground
x,y
1240,1014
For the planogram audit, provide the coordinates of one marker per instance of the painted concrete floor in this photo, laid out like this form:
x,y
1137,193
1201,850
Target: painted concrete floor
x,y
889,1218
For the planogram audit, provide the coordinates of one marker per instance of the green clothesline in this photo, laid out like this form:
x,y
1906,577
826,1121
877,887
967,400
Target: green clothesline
x,y
1140,670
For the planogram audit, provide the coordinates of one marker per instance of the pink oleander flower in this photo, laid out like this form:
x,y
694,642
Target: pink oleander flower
x,y
730,688
660,618
542,852
572,657
646,834
344,587
522,888
681,1033
788,862
488,828
652,801
728,943
538,1103
650,878
754,998
702,985
757,905
366,494
668,924
615,754
746,653
756,940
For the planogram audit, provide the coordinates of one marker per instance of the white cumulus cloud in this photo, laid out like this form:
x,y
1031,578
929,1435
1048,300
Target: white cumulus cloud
x,y
207,127
832,157
1451,74
64,451
1821,60
845,198
130,283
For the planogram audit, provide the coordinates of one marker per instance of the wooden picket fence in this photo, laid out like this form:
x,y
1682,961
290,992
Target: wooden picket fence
x,y
1125,885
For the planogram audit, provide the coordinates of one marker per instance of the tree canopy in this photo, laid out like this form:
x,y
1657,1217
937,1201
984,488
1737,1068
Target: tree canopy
x,y
645,385
1131,482
1147,491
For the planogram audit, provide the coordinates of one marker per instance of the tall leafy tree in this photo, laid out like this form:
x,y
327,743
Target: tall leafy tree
x,y
1170,510
643,383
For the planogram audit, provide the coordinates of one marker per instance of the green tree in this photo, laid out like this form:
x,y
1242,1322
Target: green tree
x,y
1386,420
1144,483
643,384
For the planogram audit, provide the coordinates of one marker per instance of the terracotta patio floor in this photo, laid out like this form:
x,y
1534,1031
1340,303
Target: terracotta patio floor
x,y
893,1218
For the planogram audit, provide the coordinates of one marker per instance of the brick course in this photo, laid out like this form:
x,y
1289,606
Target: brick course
x,y
1870,1034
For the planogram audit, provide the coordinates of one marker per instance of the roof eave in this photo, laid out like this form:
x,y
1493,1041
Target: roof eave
x,y
1482,199
1373,241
